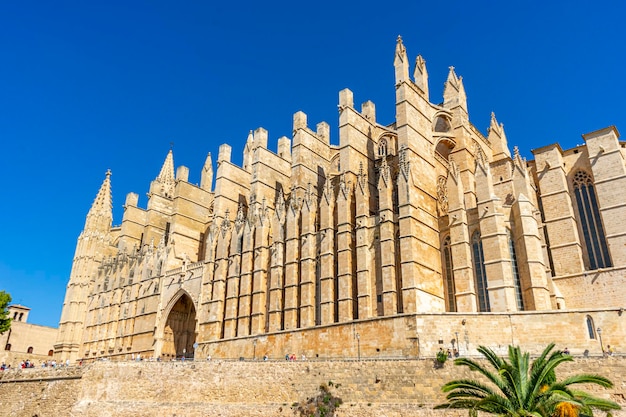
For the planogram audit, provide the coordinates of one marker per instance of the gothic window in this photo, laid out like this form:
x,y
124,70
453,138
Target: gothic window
x,y
21,316
591,328
167,233
480,273
516,278
442,124
382,147
590,221
444,147
449,275
201,248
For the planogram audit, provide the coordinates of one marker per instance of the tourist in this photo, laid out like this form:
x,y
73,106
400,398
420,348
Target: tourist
x,y
609,350
566,351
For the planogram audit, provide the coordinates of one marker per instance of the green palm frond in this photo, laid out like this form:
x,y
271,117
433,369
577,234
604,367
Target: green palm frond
x,y
588,379
518,388
593,402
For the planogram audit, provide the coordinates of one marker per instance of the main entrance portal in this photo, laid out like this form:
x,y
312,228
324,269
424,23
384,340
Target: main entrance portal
x,y
179,334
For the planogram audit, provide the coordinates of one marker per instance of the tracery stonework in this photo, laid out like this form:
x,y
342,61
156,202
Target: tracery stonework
x,y
353,257
442,195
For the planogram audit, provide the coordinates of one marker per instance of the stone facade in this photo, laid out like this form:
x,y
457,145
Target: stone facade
x,y
24,340
400,238
269,389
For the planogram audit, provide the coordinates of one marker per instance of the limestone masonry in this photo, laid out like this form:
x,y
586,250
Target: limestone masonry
x,y
269,389
400,240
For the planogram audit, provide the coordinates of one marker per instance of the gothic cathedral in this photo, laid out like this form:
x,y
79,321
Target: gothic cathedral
x,y
398,239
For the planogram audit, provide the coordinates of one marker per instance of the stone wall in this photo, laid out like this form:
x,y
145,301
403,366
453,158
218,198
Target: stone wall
x,y
249,388
421,335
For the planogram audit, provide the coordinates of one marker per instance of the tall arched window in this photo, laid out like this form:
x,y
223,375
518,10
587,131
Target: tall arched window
x,y
590,221
590,328
449,275
382,147
516,278
480,273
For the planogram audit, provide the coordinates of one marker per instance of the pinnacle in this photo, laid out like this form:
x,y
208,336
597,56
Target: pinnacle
x,y
102,207
167,170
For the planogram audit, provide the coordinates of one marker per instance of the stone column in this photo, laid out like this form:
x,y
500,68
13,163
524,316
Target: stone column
x,y
609,175
346,270
216,305
260,284
558,210
465,289
327,255
387,229
276,303
234,274
532,268
366,298
495,242
292,264
307,262
245,285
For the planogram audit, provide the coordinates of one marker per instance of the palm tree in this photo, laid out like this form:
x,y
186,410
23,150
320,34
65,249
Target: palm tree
x,y
520,389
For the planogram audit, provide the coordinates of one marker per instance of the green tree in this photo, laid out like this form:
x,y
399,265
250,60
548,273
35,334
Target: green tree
x,y
5,320
517,388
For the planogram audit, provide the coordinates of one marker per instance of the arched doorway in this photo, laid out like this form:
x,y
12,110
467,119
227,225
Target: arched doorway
x,y
179,334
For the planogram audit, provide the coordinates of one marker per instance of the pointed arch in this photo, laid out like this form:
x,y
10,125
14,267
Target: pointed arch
x,y
590,221
178,328
386,145
444,147
519,298
591,329
449,285
480,273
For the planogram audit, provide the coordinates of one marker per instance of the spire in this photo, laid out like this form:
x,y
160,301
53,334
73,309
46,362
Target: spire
x,y
454,93
167,170
420,75
100,216
401,62
462,95
247,152
164,182
206,177
497,138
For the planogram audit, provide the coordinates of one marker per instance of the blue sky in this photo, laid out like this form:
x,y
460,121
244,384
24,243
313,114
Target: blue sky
x,y
97,85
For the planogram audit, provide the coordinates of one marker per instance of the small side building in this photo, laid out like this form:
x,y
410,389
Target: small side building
x,y
26,341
